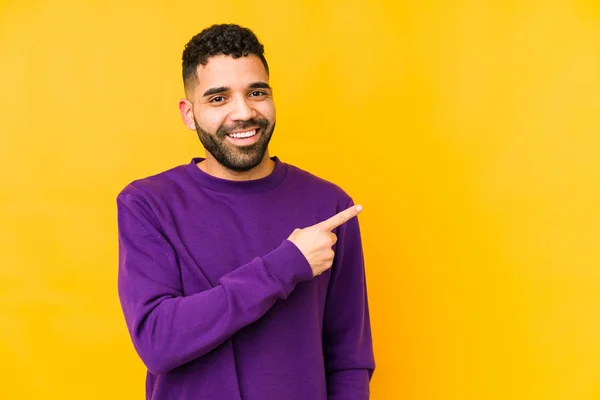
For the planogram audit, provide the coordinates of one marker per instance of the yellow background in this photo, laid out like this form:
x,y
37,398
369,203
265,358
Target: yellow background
x,y
468,129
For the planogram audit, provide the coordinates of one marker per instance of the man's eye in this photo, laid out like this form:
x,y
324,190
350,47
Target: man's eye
x,y
217,99
257,93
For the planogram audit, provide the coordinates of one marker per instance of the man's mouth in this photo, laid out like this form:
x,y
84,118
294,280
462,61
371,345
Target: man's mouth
x,y
243,134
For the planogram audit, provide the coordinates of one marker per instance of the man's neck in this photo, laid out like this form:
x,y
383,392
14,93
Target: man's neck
x,y
213,168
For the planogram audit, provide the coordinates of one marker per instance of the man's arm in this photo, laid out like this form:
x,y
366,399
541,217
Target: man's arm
x,y
347,343
169,329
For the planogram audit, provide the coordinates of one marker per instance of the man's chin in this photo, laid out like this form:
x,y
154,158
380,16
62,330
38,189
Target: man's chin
x,y
241,162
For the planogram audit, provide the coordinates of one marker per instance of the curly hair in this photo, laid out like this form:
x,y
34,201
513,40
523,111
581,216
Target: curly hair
x,y
226,39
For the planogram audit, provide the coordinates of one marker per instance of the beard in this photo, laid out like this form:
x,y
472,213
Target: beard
x,y
237,158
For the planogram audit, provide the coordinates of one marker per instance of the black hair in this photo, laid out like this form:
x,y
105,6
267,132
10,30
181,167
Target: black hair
x,y
226,39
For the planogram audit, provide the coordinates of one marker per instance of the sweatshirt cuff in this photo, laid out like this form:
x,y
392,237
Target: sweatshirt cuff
x,y
288,266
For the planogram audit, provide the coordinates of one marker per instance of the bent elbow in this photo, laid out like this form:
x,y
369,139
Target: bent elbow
x,y
155,360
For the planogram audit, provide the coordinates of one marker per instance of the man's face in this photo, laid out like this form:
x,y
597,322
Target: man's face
x,y
233,110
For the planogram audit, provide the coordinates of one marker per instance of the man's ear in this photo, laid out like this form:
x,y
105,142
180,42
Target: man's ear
x,y
187,113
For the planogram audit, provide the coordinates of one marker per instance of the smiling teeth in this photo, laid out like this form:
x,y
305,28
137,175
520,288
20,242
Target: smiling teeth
x,y
243,135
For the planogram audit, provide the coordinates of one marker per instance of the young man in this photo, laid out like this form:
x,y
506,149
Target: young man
x,y
240,276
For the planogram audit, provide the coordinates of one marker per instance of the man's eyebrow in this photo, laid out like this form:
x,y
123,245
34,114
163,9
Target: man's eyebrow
x,y
259,85
215,90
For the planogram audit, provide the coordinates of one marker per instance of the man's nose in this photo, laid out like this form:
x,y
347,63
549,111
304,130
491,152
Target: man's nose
x,y
242,110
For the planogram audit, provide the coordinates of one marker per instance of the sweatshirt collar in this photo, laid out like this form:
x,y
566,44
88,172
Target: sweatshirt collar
x,y
240,187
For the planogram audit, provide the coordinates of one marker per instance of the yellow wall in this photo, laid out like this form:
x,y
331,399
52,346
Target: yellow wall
x,y
468,129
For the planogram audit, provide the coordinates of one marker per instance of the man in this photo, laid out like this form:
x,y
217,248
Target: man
x,y
240,276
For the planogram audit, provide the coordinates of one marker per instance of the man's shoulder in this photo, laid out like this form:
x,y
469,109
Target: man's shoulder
x,y
156,185
312,184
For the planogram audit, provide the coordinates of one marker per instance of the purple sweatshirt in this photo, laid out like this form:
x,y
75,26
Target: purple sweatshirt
x,y
220,305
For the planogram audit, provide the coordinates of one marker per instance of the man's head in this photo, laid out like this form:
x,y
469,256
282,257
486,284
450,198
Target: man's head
x,y
226,80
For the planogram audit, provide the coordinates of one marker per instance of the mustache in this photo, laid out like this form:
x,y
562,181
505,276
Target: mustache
x,y
251,123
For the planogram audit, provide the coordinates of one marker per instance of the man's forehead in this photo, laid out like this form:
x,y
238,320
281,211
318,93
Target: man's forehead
x,y
236,69
227,72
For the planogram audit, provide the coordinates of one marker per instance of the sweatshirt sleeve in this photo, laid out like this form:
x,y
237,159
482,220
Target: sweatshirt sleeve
x,y
169,329
347,342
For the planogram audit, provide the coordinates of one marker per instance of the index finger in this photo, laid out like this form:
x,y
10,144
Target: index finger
x,y
340,218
